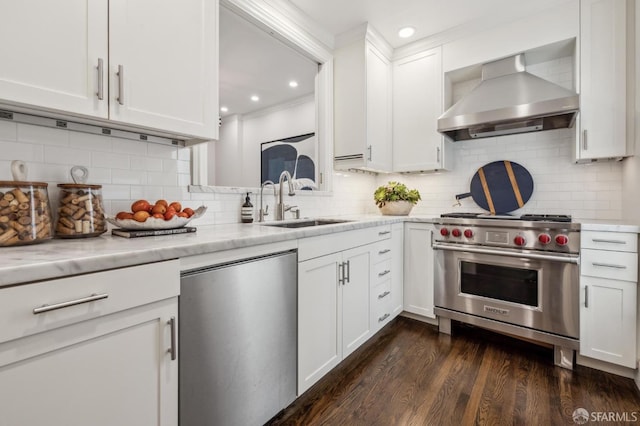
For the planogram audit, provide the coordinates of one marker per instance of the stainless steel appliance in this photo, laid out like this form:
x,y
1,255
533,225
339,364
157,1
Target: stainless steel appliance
x,y
238,334
514,275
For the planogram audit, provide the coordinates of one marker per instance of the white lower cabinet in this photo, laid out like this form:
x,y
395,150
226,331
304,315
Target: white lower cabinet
x,y
608,299
337,277
418,269
94,362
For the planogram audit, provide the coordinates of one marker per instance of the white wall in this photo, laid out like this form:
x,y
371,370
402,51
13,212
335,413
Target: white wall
x,y
236,156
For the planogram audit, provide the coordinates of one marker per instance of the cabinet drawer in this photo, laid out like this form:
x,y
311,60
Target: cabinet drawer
x,y
616,241
309,248
381,272
381,251
33,308
381,303
609,264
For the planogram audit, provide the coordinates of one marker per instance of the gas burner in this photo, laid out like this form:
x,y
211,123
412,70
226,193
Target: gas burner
x,y
546,217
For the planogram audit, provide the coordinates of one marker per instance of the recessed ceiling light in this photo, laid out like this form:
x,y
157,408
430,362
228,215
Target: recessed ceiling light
x,y
255,98
293,83
224,109
406,32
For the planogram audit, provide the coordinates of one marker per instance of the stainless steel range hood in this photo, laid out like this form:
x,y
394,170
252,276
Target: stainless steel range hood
x,y
509,100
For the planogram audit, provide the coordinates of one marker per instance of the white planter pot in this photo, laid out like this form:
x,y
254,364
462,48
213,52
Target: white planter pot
x,y
396,208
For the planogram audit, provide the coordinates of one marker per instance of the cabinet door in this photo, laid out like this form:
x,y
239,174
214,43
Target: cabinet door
x,y
163,65
50,54
608,320
603,76
355,298
418,269
319,319
417,104
378,102
112,370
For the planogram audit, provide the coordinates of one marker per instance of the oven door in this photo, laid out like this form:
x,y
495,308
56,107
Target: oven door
x,y
536,291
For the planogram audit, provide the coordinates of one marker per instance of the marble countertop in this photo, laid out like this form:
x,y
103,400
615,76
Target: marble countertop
x,y
62,257
58,258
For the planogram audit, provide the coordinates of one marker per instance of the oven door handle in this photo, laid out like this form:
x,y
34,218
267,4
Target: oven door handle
x,y
536,256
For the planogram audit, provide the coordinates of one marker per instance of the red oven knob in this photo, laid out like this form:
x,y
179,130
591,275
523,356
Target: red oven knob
x,y
519,240
456,232
468,233
444,232
544,239
562,240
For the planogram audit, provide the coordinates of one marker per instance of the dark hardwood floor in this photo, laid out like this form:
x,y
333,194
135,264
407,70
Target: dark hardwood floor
x,y
412,375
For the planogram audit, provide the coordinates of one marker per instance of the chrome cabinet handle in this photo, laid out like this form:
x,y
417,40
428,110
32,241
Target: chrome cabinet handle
x,y
384,317
120,75
438,155
384,251
48,308
383,273
369,156
100,93
608,265
341,273
172,350
381,233
586,296
348,277
383,295
584,140
599,240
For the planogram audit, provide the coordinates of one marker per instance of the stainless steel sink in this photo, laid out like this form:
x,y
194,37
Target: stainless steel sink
x,y
306,223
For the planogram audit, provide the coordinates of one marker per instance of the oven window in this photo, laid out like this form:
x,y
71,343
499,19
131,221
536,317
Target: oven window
x,y
500,282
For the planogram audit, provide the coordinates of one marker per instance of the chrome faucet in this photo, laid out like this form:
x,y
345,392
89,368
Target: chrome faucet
x,y
281,207
264,212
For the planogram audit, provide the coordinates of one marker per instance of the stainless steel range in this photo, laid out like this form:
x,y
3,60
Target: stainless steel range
x,y
516,275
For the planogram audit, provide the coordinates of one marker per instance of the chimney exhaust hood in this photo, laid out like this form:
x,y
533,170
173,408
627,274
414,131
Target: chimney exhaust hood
x,y
507,101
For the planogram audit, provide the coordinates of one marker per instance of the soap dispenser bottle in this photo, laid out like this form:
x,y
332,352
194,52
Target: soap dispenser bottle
x,y
246,213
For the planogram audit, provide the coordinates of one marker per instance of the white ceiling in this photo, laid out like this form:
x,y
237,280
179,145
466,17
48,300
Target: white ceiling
x,y
428,17
254,62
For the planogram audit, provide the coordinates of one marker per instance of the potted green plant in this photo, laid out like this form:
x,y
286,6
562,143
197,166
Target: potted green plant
x,y
395,199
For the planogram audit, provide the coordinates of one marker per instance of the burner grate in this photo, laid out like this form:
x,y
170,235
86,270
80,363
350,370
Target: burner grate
x,y
546,217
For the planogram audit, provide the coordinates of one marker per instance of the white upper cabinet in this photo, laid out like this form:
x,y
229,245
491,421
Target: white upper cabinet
x,y
51,53
605,86
144,64
362,103
417,104
167,54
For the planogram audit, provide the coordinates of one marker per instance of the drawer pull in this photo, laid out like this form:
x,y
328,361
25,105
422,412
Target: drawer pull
x,y
385,251
586,296
172,349
48,308
120,75
608,265
100,93
383,295
383,273
600,240
384,317
381,233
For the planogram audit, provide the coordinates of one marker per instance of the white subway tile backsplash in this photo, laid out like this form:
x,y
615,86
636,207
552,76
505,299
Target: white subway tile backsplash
x,y
127,146
117,192
64,155
162,151
42,135
161,178
110,160
30,153
152,193
170,166
8,130
89,142
129,177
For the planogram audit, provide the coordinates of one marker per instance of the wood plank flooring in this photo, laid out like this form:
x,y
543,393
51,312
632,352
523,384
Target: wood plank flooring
x,y
412,375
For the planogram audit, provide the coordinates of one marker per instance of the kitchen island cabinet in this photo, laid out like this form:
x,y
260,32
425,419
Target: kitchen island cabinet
x,y
120,62
608,282
106,356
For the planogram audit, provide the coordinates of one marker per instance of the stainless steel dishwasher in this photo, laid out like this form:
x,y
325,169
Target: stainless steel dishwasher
x,y
238,332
